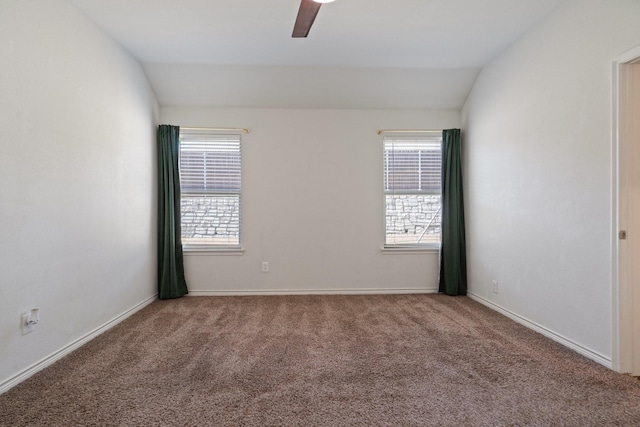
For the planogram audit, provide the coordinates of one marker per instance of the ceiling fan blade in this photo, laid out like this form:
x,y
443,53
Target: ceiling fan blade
x,y
306,15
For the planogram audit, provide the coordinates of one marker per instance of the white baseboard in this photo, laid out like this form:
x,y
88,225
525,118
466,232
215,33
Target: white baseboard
x,y
57,355
371,291
588,353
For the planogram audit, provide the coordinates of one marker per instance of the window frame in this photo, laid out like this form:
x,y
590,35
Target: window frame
x,y
208,248
398,248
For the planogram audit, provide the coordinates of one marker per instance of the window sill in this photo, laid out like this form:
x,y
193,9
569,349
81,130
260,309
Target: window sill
x,y
395,250
211,251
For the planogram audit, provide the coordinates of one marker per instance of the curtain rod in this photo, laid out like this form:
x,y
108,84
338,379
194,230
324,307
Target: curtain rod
x,y
245,130
381,131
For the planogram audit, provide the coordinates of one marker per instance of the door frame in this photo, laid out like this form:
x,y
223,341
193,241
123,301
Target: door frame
x,y
622,303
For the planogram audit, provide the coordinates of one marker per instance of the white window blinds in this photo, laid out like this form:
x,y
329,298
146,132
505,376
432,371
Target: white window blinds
x,y
412,165
210,163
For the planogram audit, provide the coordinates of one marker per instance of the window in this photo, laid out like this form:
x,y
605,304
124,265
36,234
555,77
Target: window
x,y
412,175
210,182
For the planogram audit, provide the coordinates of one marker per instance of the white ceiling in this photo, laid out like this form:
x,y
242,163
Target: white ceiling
x,y
359,53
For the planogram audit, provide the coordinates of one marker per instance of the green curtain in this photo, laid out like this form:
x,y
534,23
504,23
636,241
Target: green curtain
x,y
171,280
453,257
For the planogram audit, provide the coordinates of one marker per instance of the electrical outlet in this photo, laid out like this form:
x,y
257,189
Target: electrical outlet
x,y
29,321
265,266
495,286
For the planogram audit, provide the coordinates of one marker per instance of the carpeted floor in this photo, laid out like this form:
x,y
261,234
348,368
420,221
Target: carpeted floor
x,y
408,360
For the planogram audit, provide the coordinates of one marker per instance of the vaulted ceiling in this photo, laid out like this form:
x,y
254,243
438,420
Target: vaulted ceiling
x,y
359,53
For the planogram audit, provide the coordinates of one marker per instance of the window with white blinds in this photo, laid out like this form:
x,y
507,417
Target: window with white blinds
x,y
412,186
210,183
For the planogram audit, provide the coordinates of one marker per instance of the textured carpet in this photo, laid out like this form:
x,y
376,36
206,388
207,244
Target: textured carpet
x,y
322,360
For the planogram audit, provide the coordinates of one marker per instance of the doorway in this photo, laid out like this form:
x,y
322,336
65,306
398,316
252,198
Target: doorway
x,y
626,210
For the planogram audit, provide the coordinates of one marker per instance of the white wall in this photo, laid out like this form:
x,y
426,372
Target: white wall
x,y
77,173
263,86
312,203
537,137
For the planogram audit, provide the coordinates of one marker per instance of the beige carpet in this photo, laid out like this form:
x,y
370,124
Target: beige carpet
x,y
407,360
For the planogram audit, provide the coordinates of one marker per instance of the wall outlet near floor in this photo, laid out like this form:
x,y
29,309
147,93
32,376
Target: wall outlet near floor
x,y
29,320
265,266
495,286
